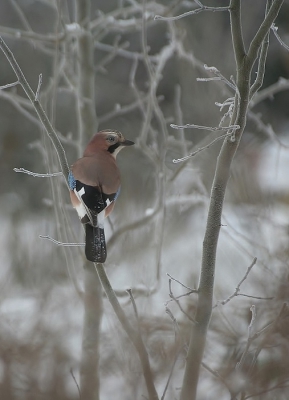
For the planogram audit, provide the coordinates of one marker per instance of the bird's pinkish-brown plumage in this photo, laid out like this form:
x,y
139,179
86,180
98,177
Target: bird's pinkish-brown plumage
x,y
94,181
98,170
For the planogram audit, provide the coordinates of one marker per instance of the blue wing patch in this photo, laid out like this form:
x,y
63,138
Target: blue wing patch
x,y
117,194
71,181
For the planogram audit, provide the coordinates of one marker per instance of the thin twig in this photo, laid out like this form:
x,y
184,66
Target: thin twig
x,y
178,160
237,290
262,32
255,297
183,285
251,337
267,390
35,174
129,291
122,52
9,85
262,61
173,318
170,375
21,15
130,330
28,35
216,375
176,332
38,88
205,128
133,225
75,381
178,303
121,110
275,29
61,243
218,77
268,92
38,108
191,12
265,129
267,329
230,103
20,103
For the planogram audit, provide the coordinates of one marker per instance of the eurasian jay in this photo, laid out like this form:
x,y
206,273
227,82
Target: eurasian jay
x,y
94,182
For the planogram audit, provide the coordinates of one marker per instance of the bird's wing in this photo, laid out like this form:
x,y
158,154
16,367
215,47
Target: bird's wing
x,y
87,195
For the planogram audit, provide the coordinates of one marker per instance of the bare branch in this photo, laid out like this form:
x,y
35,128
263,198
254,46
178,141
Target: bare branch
x,y
21,15
219,77
192,12
38,88
262,31
237,290
178,303
268,92
275,29
230,103
129,291
9,85
186,287
266,129
251,337
267,390
35,174
133,225
255,297
122,110
206,128
262,61
179,117
216,375
21,104
76,383
38,108
29,35
122,52
61,243
267,329
169,377
131,332
236,31
201,148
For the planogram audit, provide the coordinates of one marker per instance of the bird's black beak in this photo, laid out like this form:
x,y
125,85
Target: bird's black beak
x,y
127,143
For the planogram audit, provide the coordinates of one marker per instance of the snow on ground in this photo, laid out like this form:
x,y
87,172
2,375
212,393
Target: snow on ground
x,y
241,239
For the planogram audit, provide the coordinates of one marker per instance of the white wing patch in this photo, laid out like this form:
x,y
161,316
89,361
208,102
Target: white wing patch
x,y
81,209
100,219
81,192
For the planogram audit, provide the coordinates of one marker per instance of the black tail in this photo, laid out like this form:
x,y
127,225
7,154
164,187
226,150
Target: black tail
x,y
95,246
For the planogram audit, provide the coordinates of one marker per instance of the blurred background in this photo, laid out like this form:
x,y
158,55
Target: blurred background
x,y
158,223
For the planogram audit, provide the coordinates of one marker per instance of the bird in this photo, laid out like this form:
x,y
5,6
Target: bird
x,y
94,183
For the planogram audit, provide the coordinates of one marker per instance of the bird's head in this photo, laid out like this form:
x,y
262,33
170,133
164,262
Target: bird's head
x,y
109,140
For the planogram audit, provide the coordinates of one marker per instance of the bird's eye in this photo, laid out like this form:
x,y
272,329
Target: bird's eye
x,y
111,139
